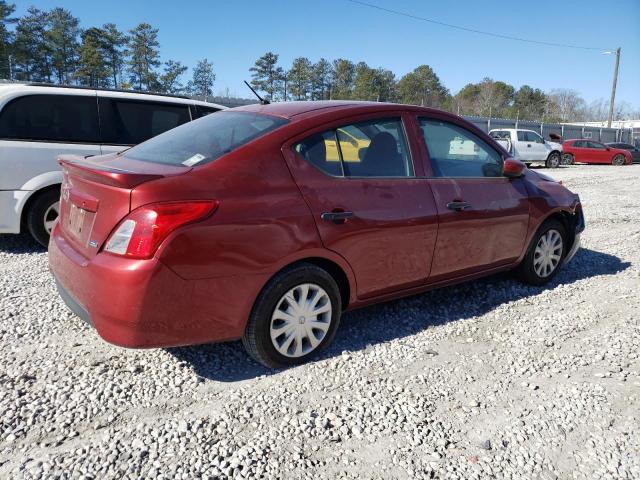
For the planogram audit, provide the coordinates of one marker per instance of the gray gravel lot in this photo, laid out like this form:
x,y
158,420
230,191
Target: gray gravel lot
x,y
489,379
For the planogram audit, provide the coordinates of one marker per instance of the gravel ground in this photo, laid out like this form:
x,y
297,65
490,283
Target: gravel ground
x,y
489,379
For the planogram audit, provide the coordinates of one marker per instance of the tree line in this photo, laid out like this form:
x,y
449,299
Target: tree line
x,y
50,46
342,79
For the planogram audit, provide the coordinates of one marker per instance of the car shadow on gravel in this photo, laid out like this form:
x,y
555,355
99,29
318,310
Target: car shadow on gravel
x,y
19,244
396,319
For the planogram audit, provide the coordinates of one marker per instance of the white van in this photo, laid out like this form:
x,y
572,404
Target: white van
x,y
39,122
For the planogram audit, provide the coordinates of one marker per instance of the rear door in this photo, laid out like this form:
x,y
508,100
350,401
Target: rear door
x,y
484,216
523,146
359,180
125,122
599,152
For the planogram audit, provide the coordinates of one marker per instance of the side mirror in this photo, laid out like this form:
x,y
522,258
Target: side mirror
x,y
512,168
608,149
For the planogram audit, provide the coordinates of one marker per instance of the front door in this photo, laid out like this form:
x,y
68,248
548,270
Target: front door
x,y
484,216
359,181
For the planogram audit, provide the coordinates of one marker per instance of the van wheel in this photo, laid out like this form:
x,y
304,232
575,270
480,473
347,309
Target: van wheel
x,y
553,161
42,214
295,316
544,256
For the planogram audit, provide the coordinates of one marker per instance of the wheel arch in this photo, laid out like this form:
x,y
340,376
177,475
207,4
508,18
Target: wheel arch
x,y
32,198
341,273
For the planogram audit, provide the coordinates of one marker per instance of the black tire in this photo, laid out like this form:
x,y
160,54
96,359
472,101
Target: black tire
x,y
40,207
528,164
618,160
526,271
553,160
257,338
567,159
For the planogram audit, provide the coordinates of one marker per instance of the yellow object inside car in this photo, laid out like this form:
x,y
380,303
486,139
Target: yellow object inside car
x,y
352,140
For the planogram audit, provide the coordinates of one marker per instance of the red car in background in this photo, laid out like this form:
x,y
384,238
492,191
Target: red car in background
x,y
588,151
266,222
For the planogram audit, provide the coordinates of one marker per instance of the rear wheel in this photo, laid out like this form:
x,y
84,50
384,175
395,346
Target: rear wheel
x,y
567,159
42,214
544,256
295,317
553,160
618,160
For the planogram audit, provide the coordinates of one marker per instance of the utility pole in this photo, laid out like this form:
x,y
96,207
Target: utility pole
x,y
613,88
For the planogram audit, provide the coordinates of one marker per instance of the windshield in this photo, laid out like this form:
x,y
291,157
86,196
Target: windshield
x,y
205,139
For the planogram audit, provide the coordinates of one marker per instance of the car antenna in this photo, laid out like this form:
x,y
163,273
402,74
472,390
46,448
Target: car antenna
x,y
262,100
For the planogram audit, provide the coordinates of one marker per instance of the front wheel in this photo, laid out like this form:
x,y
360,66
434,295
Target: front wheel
x,y
42,215
544,256
295,316
618,160
553,161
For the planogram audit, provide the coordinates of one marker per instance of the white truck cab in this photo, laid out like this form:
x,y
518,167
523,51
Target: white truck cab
x,y
39,122
528,146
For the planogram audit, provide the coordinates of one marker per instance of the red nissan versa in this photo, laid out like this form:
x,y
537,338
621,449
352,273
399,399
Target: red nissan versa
x,y
588,151
266,222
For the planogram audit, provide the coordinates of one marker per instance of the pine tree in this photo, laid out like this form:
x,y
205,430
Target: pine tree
x,y
321,80
267,76
62,38
32,52
170,79
422,87
203,77
6,38
92,67
113,46
299,78
343,78
144,57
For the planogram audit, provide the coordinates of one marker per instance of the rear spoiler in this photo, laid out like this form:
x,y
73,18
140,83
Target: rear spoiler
x,y
94,171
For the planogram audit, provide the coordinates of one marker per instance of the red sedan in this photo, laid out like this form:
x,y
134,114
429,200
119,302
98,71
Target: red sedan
x,y
266,222
588,151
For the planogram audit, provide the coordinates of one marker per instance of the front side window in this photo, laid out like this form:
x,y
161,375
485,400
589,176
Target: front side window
x,y
54,118
596,145
206,139
500,135
374,148
522,136
534,137
457,152
126,122
579,144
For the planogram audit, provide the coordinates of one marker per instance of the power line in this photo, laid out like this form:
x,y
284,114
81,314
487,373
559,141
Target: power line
x,y
481,32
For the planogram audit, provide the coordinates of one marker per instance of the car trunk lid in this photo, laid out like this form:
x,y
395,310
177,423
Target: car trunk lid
x,y
96,195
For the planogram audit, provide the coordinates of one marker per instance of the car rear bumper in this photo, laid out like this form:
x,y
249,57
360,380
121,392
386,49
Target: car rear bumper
x,y
143,303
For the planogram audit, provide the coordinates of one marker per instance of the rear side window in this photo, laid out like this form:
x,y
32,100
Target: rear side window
x,y
205,139
54,118
126,122
457,152
500,134
374,148
201,111
596,145
522,136
579,144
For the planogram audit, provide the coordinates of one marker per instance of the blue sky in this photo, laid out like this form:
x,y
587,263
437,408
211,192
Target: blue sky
x,y
233,34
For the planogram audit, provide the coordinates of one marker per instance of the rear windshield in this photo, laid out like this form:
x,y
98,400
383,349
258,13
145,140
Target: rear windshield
x,y
205,139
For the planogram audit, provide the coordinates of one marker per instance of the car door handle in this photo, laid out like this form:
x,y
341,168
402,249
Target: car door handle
x,y
336,217
458,206
528,145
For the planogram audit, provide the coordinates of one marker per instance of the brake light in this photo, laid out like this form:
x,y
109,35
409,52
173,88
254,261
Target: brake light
x,y
142,231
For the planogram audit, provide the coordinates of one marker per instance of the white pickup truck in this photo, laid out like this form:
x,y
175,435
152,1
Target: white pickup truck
x,y
528,146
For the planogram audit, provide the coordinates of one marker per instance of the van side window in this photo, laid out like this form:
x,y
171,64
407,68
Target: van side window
x,y
126,122
53,118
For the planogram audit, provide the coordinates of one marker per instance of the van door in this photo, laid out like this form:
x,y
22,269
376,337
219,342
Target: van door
x,y
125,122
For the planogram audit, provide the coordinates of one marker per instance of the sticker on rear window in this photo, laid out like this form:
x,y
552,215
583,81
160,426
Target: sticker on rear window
x,y
198,157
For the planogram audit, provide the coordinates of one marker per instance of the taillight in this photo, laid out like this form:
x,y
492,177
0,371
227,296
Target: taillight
x,y
142,231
